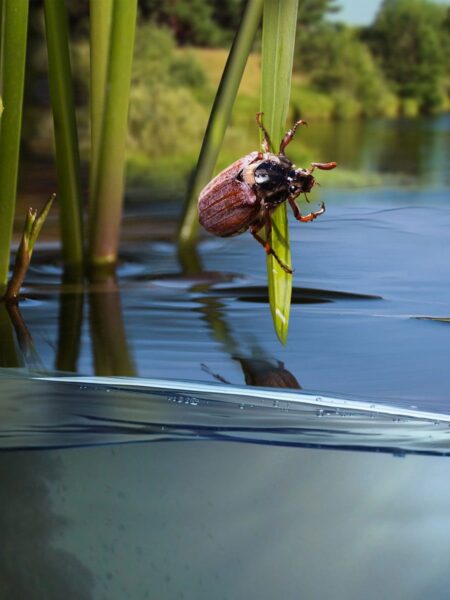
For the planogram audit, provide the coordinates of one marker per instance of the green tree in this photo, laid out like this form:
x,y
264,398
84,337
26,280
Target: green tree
x,y
342,66
312,49
313,12
408,38
191,21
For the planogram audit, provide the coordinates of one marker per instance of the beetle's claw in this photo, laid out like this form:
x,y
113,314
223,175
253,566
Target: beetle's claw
x,y
322,208
286,269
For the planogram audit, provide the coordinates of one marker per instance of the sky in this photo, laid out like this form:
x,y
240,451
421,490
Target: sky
x,y
361,12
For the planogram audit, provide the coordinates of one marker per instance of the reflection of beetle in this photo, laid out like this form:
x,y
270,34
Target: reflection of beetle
x,y
262,372
244,195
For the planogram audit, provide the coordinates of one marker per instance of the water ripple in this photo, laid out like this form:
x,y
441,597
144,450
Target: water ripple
x,y
49,412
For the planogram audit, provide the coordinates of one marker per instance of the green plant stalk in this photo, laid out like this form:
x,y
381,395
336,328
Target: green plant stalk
x,y
278,39
12,66
66,138
33,225
107,200
100,31
220,116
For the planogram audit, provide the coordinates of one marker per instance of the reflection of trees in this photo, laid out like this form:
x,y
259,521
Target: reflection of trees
x,y
410,146
30,566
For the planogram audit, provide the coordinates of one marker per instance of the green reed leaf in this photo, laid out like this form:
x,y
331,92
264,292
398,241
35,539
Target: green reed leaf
x,y
107,197
13,38
66,137
100,32
279,27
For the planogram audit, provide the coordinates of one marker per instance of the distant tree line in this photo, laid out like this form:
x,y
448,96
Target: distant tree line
x,y
397,65
405,51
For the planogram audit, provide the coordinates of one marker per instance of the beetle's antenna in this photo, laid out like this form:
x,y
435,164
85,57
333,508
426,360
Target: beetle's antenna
x,y
266,143
306,197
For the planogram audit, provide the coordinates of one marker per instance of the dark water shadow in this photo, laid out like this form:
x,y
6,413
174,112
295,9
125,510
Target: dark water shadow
x,y
31,566
299,295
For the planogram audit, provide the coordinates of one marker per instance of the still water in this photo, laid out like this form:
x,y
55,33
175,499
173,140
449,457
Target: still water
x,y
225,465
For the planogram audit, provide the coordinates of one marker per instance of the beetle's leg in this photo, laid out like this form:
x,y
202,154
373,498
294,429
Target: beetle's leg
x,y
266,143
266,244
305,218
289,135
323,166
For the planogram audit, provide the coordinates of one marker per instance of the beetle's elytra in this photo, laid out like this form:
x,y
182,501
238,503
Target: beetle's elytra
x,y
244,195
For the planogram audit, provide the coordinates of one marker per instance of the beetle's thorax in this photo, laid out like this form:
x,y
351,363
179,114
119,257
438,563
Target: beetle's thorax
x,y
274,178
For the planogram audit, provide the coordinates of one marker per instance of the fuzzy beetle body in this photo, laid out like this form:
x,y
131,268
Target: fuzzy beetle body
x,y
245,194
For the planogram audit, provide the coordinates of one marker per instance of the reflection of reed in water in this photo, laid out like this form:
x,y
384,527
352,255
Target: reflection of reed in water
x,y
258,369
16,344
111,353
9,356
110,346
70,321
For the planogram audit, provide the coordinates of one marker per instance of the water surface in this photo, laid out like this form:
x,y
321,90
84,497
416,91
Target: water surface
x,y
221,464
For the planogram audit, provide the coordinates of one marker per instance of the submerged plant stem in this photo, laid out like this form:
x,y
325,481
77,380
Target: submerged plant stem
x,y
220,116
66,138
14,21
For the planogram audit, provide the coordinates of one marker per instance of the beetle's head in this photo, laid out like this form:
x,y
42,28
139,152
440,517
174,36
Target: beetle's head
x,y
300,181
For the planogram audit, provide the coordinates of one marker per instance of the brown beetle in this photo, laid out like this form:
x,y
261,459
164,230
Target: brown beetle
x,y
246,193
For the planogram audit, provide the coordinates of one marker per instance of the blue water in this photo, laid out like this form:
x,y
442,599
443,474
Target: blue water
x,y
159,442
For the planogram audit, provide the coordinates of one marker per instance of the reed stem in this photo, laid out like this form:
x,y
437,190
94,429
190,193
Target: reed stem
x,y
13,35
220,116
107,199
100,31
66,138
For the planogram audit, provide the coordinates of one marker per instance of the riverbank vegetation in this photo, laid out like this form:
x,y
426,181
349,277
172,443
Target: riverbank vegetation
x,y
397,66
